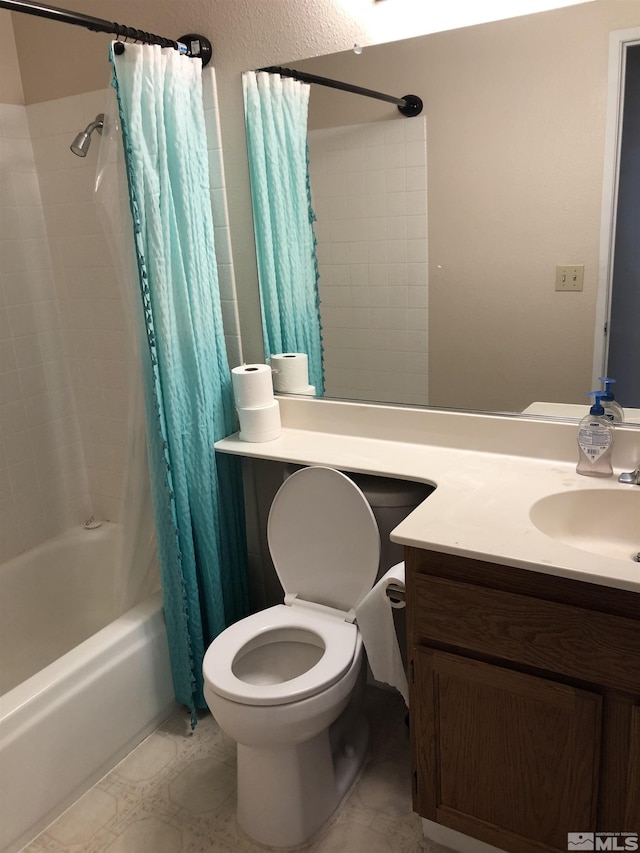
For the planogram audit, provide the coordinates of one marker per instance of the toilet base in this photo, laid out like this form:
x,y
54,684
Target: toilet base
x,y
286,794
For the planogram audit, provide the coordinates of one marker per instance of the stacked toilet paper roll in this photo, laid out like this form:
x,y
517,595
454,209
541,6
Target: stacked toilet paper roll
x,y
291,373
375,620
258,411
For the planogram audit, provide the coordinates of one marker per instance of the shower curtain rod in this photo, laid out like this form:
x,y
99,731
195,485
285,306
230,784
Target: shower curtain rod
x,y
191,45
409,105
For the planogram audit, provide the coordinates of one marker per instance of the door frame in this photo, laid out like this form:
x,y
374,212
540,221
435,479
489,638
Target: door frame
x,y
619,42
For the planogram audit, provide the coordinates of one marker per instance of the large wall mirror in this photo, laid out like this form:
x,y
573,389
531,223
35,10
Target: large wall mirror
x,y
439,237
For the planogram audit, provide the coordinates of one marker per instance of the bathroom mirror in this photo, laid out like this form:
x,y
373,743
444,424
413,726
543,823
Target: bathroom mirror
x,y
440,237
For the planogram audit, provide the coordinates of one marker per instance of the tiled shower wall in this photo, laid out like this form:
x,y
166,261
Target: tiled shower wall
x,y
63,347
90,305
43,482
369,194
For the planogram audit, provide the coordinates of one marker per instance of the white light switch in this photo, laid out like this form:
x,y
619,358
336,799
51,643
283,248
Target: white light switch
x,y
570,278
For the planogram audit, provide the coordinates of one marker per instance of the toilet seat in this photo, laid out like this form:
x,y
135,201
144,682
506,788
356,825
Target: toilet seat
x,y
324,539
340,640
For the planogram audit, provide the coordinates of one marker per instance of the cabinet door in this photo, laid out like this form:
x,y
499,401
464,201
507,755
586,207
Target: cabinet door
x,y
508,758
632,806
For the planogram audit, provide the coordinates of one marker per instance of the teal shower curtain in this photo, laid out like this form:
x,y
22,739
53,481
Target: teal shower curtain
x,y
197,498
276,111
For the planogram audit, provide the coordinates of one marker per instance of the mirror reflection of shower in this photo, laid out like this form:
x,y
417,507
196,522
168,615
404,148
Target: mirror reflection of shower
x,y
81,143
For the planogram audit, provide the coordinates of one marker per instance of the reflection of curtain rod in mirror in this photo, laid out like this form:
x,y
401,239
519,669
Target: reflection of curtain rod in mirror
x,y
409,105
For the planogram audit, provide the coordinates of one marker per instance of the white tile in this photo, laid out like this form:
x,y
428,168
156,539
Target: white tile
x,y
415,153
376,205
22,319
398,296
394,131
416,129
396,204
337,207
377,253
394,156
336,184
396,251
7,356
223,246
14,121
338,230
17,155
377,228
356,206
375,181
27,351
10,388
15,290
359,251
340,253
395,180
354,185
378,274
219,208
417,274
416,203
356,229
416,250
416,178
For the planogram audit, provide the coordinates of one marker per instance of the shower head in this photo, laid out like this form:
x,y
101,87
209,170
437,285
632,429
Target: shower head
x,y
81,143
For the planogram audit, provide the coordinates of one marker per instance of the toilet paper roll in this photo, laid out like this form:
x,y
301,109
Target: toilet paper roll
x,y
375,620
290,372
252,385
261,423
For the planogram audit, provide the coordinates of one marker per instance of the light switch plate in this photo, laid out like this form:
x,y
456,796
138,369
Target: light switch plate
x,y
570,277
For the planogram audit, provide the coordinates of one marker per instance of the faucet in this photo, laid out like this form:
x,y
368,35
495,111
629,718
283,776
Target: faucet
x,y
631,477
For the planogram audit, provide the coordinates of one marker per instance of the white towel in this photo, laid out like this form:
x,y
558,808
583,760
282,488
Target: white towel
x,y
374,616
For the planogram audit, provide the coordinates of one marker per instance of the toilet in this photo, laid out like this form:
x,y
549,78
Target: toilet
x,y
287,683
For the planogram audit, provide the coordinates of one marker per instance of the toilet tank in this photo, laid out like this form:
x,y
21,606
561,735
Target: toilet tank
x,y
391,501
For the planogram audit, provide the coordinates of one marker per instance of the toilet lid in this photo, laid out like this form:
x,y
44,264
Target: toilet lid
x,y
323,538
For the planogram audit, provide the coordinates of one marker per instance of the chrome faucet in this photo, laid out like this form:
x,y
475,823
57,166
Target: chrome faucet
x,y
631,477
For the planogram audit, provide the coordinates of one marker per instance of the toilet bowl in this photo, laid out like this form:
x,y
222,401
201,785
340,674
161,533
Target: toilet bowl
x,y
287,683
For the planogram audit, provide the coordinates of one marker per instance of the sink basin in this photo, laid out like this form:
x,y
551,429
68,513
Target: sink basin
x,y
600,521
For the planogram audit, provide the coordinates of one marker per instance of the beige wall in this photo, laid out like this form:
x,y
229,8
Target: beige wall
x,y
10,82
515,138
245,34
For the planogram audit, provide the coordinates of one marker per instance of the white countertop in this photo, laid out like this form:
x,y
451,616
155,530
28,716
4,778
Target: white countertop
x,y
480,507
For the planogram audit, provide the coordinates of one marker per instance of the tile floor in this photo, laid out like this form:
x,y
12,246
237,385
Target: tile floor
x,y
175,793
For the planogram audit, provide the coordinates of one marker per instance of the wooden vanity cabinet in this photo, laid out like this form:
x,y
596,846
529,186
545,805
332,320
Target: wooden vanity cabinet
x,y
524,702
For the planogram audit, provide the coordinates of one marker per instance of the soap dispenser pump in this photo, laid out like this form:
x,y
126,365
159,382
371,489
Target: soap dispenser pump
x,y
595,441
612,409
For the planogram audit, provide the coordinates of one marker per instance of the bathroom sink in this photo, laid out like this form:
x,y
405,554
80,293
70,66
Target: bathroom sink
x,y
600,521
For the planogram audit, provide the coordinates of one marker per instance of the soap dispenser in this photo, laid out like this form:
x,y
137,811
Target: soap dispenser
x,y
612,409
595,441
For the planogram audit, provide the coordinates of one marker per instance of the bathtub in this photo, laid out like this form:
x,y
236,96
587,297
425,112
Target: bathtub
x,y
83,685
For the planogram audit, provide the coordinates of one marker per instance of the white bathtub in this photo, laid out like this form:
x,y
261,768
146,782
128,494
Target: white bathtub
x,y
91,686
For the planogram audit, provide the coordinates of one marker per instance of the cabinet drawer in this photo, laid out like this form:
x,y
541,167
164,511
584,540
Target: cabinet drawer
x,y
559,638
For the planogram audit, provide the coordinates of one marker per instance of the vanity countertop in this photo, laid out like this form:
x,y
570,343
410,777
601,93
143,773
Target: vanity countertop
x,y
483,497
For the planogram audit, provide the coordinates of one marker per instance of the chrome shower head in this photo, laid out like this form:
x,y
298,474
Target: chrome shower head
x,y
81,143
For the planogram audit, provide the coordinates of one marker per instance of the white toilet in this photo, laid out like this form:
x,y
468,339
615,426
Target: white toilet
x,y
286,683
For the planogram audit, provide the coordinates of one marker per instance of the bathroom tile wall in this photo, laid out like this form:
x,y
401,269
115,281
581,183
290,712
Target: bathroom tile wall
x,y
43,484
92,303
64,365
369,194
226,277
91,309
